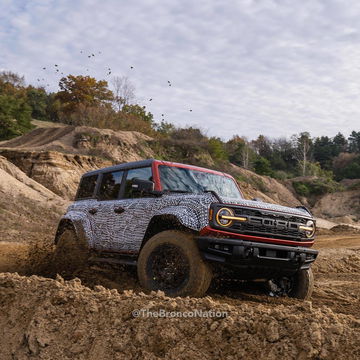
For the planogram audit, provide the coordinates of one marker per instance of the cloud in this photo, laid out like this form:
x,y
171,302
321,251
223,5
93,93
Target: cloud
x,y
274,67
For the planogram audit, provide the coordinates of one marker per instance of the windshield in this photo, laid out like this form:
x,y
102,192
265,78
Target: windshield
x,y
194,181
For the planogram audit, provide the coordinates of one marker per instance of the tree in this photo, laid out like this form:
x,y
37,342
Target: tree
x,y
262,146
217,149
324,151
164,128
284,155
302,144
262,166
15,113
38,100
240,152
124,92
135,118
189,134
12,78
354,142
340,144
352,171
85,90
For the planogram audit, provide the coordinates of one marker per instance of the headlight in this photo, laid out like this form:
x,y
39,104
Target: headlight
x,y
309,229
221,217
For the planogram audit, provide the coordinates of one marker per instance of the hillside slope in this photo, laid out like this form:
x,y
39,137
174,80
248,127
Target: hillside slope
x,y
56,157
26,207
118,146
341,206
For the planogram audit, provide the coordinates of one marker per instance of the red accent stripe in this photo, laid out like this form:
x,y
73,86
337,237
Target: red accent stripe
x,y
207,230
156,175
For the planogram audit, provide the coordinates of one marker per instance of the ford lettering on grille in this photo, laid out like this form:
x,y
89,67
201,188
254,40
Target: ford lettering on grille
x,y
272,223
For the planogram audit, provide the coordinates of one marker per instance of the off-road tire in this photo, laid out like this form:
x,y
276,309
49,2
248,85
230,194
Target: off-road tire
x,y
198,273
70,255
303,284
299,286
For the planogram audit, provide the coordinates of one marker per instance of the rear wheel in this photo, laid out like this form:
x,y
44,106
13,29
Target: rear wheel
x,y
70,255
170,261
298,286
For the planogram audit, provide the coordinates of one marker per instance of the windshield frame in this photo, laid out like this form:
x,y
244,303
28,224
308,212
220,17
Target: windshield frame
x,y
158,185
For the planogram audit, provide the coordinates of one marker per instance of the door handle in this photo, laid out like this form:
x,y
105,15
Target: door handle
x,y
93,211
119,210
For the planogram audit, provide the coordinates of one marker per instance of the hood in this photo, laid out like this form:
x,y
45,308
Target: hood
x,y
267,206
210,198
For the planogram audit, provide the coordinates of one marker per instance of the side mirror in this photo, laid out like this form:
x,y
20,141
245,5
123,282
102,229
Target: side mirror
x,y
142,186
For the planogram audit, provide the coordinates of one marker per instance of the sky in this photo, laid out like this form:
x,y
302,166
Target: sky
x,y
245,67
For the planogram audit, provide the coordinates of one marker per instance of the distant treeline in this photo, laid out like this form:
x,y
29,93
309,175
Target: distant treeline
x,y
83,100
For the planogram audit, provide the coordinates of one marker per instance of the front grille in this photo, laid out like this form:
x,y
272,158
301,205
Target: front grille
x,y
268,224
270,215
264,230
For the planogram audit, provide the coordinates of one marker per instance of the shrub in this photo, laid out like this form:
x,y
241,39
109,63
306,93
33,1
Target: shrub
x,y
301,188
262,166
318,186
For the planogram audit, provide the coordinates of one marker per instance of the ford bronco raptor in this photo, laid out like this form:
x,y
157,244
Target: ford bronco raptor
x,y
180,224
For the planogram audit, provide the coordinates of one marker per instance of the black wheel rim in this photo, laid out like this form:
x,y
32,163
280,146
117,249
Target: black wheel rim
x,y
168,267
281,286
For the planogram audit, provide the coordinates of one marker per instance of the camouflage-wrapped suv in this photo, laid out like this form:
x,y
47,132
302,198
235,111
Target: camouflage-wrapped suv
x,y
180,224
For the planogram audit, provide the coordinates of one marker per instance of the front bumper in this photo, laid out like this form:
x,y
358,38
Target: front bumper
x,y
255,259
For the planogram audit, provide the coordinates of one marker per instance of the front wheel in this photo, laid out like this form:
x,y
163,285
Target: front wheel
x,y
299,286
170,261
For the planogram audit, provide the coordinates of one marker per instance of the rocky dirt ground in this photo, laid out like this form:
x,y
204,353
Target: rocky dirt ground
x,y
90,317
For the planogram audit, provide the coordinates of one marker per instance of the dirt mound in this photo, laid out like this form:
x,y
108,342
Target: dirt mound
x,y
28,210
53,319
339,204
345,229
345,263
56,157
118,146
56,171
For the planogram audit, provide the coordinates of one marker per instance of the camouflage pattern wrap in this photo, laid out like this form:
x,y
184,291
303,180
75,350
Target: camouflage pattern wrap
x,y
105,227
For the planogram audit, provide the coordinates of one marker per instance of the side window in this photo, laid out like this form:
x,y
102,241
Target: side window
x,y
110,185
140,173
87,187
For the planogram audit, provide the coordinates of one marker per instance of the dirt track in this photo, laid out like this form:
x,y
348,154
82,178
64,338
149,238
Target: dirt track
x,y
52,319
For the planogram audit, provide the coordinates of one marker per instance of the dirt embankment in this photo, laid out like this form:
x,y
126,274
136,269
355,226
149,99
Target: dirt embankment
x,y
92,318
28,210
56,171
342,206
56,157
48,319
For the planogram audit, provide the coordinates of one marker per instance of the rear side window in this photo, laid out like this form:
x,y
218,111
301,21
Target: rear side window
x,y
110,185
87,187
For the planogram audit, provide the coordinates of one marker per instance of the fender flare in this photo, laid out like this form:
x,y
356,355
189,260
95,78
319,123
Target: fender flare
x,y
185,215
79,222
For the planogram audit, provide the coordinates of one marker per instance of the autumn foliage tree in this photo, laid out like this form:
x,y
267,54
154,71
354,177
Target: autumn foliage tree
x,y
82,92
